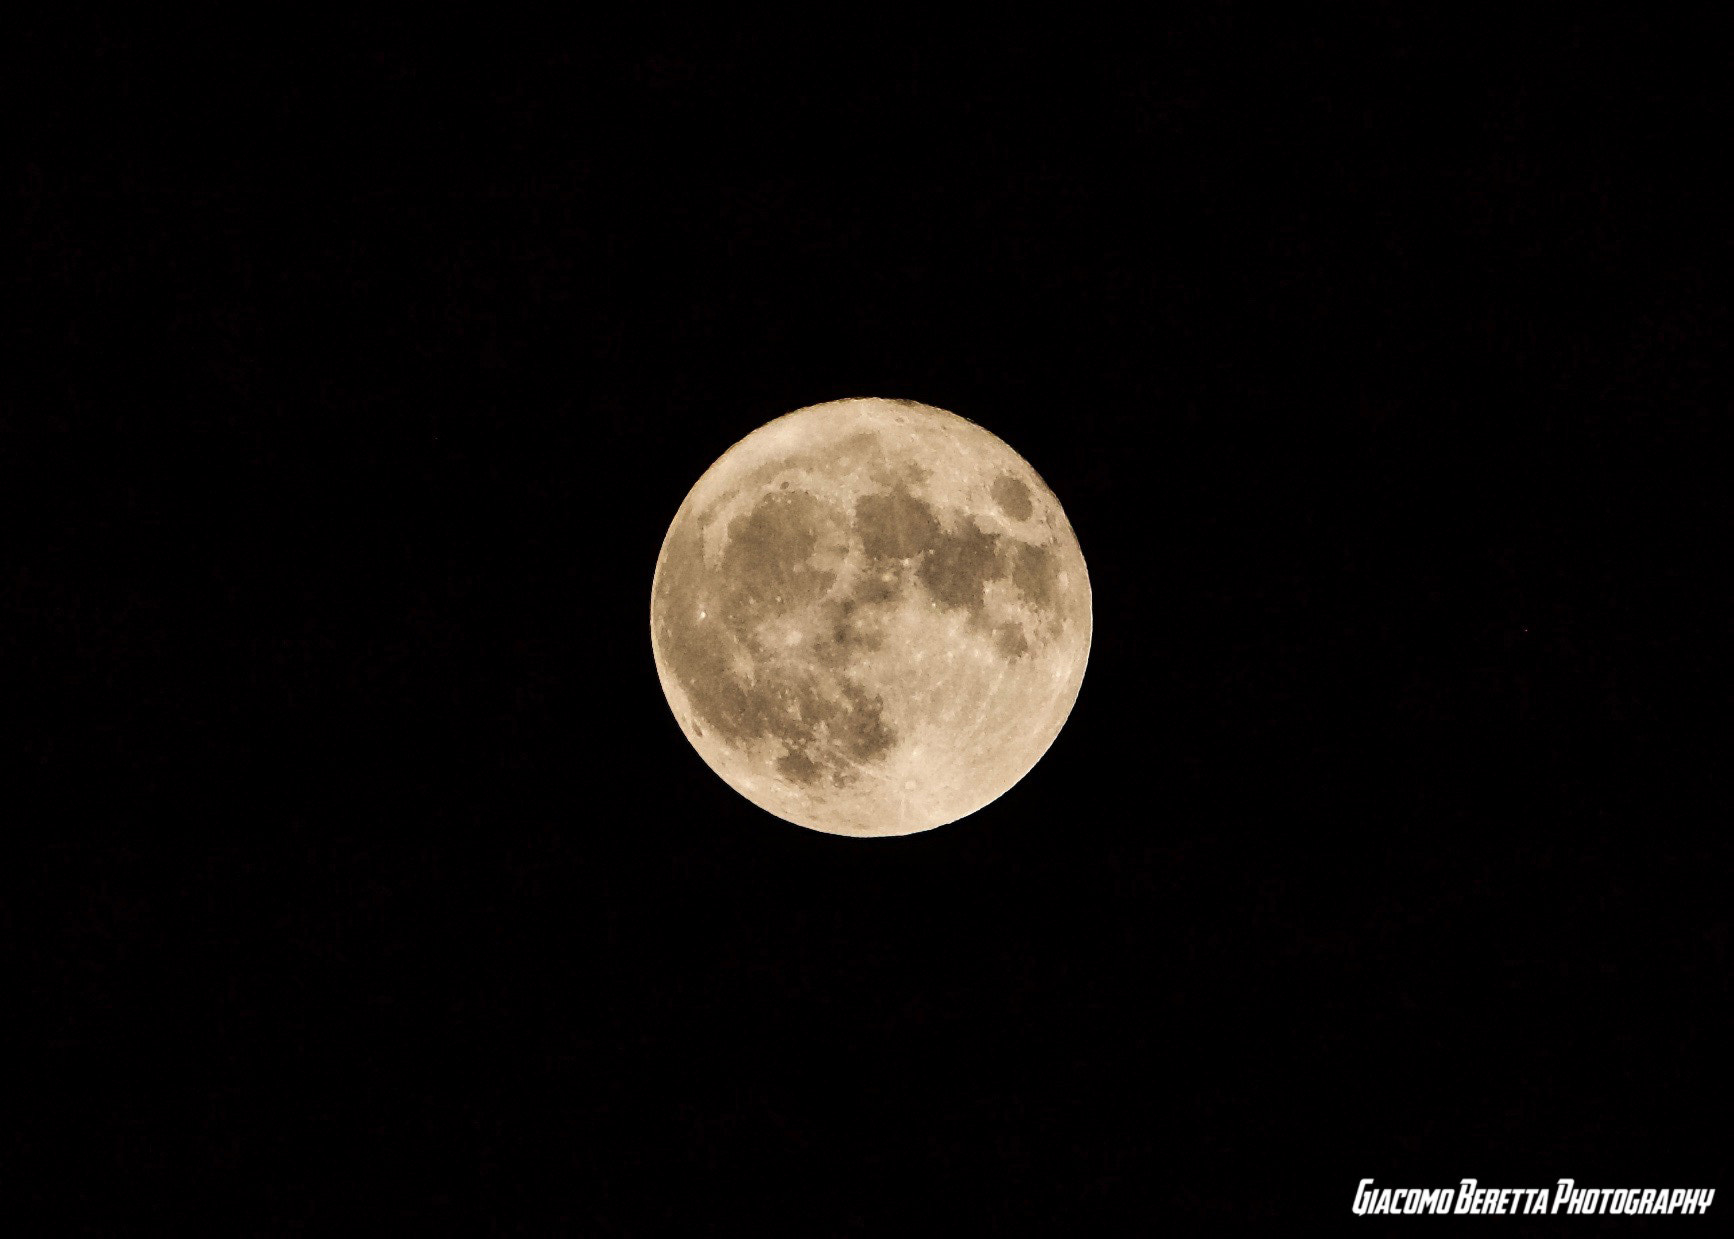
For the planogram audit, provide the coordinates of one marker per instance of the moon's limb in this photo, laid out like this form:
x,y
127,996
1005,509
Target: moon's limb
x,y
871,617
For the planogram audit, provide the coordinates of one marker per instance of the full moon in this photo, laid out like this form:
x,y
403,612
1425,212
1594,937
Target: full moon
x,y
870,617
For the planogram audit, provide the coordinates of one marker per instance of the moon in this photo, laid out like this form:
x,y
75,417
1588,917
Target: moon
x,y
871,617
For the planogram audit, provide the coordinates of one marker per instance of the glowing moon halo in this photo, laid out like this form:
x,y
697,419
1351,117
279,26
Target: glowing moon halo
x,y
870,617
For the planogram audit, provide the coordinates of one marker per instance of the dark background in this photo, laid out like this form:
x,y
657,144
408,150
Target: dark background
x,y
357,368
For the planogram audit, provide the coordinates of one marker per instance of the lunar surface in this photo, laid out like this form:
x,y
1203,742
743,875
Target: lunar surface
x,y
871,617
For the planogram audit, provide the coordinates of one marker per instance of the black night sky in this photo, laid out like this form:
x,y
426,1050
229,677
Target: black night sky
x,y
367,883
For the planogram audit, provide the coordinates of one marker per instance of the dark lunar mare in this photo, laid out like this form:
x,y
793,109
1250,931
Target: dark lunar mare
x,y
1012,496
767,568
